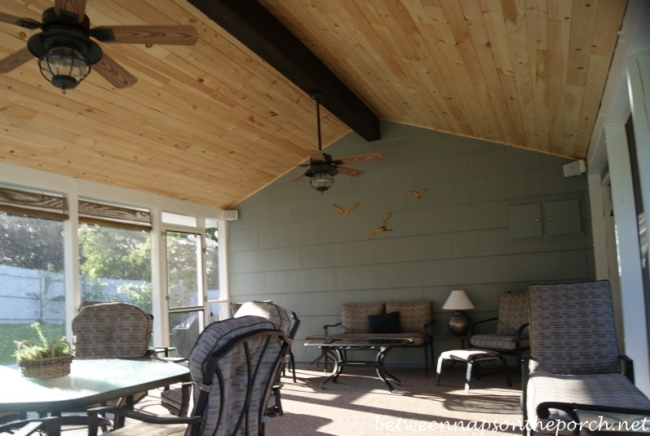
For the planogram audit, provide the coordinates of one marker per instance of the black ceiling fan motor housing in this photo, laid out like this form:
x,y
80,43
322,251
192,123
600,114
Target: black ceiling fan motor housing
x,y
64,31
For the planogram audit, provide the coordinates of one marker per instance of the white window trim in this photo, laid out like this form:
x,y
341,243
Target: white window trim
x,y
73,188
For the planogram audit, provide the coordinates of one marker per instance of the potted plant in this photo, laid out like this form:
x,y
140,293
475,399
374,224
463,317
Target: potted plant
x,y
43,360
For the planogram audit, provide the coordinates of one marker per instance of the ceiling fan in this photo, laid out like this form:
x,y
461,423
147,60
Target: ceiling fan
x,y
322,168
65,51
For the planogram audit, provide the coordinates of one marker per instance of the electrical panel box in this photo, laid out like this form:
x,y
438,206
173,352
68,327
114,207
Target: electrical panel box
x,y
546,218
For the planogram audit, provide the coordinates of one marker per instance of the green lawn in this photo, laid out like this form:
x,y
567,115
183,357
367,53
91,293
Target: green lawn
x,y
23,332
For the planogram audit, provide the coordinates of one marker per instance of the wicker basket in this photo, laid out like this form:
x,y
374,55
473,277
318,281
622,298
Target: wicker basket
x,y
47,367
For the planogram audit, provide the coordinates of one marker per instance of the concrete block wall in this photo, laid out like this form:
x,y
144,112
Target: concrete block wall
x,y
289,245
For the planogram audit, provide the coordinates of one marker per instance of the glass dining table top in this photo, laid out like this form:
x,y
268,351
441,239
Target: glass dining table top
x,y
90,382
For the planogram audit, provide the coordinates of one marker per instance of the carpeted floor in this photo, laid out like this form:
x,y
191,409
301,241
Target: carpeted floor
x,y
360,404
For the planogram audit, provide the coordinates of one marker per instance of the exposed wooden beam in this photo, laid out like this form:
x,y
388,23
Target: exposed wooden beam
x,y
261,32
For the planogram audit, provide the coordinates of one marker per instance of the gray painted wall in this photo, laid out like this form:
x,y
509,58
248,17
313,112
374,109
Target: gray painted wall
x,y
290,246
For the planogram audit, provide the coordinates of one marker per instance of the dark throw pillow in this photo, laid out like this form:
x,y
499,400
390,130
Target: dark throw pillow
x,y
384,323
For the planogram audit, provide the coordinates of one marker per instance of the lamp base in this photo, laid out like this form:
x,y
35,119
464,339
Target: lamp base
x,y
459,323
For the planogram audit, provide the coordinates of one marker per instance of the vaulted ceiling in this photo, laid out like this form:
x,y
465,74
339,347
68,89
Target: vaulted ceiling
x,y
214,122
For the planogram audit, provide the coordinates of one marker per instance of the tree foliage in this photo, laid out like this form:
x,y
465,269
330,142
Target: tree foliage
x,y
108,252
32,243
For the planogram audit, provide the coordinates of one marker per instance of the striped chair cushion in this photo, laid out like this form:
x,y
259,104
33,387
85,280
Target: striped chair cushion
x,y
227,395
577,336
595,389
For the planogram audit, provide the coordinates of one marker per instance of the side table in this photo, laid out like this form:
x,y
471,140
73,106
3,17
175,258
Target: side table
x,y
461,338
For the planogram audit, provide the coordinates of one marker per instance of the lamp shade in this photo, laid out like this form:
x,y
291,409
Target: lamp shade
x,y
458,300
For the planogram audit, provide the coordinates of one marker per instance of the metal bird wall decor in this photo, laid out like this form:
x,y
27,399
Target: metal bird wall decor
x,y
347,211
383,228
418,194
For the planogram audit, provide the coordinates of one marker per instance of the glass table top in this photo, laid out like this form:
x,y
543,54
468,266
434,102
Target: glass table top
x,y
90,381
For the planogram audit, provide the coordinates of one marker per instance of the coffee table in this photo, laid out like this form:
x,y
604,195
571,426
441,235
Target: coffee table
x,y
339,347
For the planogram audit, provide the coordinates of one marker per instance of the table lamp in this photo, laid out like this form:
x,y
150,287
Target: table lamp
x,y
458,321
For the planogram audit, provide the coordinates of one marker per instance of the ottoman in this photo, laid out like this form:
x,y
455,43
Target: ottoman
x,y
470,357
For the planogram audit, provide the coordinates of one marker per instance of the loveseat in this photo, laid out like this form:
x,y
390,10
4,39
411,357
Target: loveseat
x,y
399,320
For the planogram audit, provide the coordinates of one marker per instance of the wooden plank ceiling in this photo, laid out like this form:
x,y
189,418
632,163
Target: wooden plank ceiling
x,y
213,123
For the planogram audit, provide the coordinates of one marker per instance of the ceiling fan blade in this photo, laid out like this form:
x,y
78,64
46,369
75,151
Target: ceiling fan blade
x,y
15,60
361,158
349,171
27,23
169,35
72,9
298,177
317,155
114,73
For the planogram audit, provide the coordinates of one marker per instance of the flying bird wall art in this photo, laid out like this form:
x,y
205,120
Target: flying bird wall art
x,y
383,228
347,211
419,193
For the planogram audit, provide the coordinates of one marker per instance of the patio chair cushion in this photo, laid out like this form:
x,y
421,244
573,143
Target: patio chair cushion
x,y
228,391
585,341
497,341
274,313
354,317
413,315
611,389
513,313
111,330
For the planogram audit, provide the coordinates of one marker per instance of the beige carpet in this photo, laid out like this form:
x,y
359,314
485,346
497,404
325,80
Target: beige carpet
x,y
360,404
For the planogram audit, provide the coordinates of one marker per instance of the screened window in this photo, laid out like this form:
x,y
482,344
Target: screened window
x,y
115,254
31,267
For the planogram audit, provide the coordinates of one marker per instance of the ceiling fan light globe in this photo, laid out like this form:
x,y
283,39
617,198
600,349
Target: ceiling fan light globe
x,y
63,82
64,67
321,181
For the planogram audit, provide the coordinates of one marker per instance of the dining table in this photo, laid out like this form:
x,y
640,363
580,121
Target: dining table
x,y
90,382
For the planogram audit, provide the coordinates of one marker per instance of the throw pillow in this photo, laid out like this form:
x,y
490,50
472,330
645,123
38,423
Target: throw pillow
x,y
384,323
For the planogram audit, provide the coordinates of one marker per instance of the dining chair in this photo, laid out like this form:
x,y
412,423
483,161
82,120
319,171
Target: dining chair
x,y
176,400
110,330
233,365
284,320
